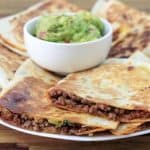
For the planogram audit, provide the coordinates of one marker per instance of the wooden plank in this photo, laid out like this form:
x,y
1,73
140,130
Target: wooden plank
x,y
8,146
39,143
13,6
17,137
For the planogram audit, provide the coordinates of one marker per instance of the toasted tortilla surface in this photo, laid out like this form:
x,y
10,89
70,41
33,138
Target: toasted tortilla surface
x,y
118,91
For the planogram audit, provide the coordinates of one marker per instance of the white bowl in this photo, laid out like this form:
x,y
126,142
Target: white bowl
x,y
64,58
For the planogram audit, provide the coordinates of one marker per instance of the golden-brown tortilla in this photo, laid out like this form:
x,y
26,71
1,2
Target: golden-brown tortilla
x,y
9,63
136,40
117,11
131,27
30,69
27,96
119,85
128,128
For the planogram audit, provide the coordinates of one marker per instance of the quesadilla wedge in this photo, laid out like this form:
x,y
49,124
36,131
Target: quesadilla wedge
x,y
137,57
131,27
30,69
128,128
9,63
25,103
110,9
136,40
11,28
119,91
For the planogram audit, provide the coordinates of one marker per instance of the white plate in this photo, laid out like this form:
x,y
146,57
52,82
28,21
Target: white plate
x,y
75,138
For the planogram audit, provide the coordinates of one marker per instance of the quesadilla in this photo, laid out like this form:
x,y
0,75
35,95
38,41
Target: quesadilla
x,y
110,9
30,69
139,56
25,103
128,128
9,63
118,91
136,57
136,40
11,28
131,27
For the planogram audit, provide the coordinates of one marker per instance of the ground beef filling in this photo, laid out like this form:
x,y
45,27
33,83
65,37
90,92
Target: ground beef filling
x,y
145,126
41,125
70,101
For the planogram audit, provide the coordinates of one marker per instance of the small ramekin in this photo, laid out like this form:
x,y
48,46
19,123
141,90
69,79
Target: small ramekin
x,y
64,58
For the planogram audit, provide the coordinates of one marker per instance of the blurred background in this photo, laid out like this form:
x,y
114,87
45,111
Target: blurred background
x,y
8,7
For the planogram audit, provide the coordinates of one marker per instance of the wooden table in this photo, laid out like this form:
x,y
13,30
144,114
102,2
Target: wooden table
x,y
19,141
13,140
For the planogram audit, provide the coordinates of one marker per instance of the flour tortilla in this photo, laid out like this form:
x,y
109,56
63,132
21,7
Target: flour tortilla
x,y
136,40
11,28
128,128
27,95
9,63
136,57
117,85
30,69
131,27
139,56
117,11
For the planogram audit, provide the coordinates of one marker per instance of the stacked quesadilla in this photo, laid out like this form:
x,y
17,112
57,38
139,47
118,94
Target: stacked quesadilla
x,y
11,28
131,27
25,103
117,91
100,93
127,128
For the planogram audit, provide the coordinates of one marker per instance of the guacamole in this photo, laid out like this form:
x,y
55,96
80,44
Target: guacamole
x,y
65,28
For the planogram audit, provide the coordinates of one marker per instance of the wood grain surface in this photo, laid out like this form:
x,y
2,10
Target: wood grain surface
x,y
8,7
19,140
13,140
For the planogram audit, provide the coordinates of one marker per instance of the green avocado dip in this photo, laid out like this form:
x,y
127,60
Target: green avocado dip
x,y
69,28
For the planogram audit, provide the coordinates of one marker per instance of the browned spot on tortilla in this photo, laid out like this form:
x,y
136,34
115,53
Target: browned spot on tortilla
x,y
130,68
27,92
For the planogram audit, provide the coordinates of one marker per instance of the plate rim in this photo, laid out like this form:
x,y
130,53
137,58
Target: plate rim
x,y
74,138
